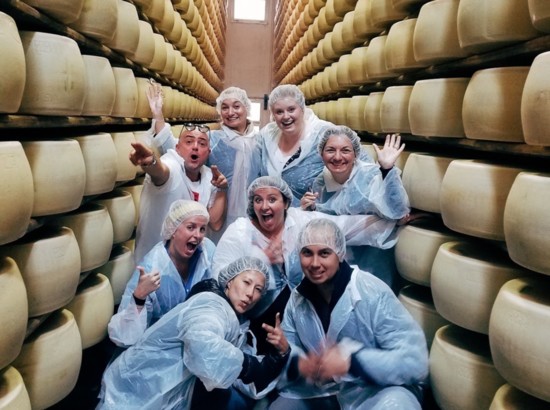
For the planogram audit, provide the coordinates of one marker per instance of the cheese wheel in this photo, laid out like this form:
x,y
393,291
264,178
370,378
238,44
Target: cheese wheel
x,y
383,13
435,107
476,208
418,301
465,279
126,93
122,211
92,307
100,86
118,270
435,37
535,102
348,33
394,109
142,109
356,112
170,65
491,108
14,308
49,261
126,171
488,24
508,397
65,11
58,185
422,178
16,183
519,329
97,19
526,221
50,360
160,54
399,47
126,37
55,75
131,244
175,34
12,66
343,71
539,10
167,20
462,372
372,112
145,50
13,393
363,26
357,69
154,9
375,63
369,149
342,108
406,4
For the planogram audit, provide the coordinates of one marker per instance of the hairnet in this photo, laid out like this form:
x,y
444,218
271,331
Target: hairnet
x,y
287,90
341,130
179,211
241,265
323,232
238,94
267,182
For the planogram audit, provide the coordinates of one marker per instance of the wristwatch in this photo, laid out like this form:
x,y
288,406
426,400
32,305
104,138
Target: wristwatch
x,y
153,162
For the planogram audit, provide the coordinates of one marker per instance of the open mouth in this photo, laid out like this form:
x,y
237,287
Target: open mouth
x,y
194,157
192,246
267,218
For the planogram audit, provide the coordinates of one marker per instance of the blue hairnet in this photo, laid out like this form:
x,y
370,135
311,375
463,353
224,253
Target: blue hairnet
x,y
323,232
287,90
341,130
241,265
236,93
179,211
267,182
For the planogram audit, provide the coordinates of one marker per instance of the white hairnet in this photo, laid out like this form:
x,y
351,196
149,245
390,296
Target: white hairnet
x,y
267,182
287,90
341,130
179,211
323,232
241,265
238,94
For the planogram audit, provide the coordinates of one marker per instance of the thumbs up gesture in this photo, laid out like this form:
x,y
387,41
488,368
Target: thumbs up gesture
x,y
147,283
276,336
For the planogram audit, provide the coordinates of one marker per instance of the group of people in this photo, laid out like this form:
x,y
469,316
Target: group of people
x,y
252,278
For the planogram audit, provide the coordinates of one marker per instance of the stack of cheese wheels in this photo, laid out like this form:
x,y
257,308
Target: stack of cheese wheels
x,y
12,65
399,47
375,63
508,397
65,11
50,360
476,209
372,112
97,19
488,24
14,307
16,183
539,10
492,104
418,301
465,280
535,102
93,231
126,171
356,112
519,331
462,373
118,270
422,178
394,109
435,35
13,393
55,75
416,249
357,71
126,92
100,86
122,211
99,149
526,223
58,184
49,261
126,37
435,107
92,308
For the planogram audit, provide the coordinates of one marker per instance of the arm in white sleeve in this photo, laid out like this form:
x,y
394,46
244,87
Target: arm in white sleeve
x,y
163,140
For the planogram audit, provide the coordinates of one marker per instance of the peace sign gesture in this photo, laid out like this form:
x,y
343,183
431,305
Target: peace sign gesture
x,y
276,336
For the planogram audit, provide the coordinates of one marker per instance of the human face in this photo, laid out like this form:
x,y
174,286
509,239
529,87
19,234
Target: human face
x,y
339,157
194,148
269,207
233,114
188,237
319,263
245,290
288,115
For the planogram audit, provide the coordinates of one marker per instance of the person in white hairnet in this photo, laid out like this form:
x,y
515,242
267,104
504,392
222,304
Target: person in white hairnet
x,y
203,338
166,274
270,231
288,145
348,185
353,344
233,149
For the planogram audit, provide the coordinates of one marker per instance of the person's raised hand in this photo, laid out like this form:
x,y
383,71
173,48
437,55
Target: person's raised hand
x,y
276,336
155,97
390,152
218,179
141,154
307,203
147,283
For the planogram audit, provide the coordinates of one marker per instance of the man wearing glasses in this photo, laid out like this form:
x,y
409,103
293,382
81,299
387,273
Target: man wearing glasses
x,y
179,174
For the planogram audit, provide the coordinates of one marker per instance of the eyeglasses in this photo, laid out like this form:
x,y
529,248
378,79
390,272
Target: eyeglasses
x,y
200,127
